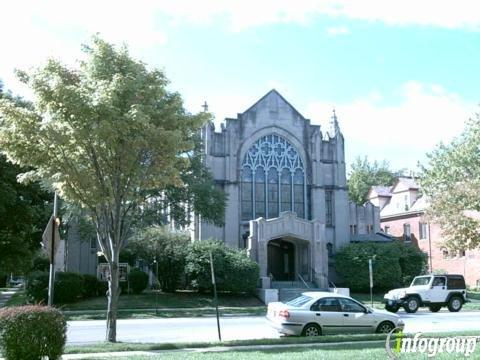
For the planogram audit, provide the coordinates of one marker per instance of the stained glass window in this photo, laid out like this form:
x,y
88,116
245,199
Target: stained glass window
x,y
273,176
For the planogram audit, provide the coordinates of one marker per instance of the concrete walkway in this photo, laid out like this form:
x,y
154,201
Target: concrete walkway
x,y
5,295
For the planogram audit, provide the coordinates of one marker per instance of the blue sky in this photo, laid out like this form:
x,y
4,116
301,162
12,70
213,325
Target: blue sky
x,y
402,75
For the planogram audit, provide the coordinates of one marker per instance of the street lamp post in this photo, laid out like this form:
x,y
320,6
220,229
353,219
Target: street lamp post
x,y
156,286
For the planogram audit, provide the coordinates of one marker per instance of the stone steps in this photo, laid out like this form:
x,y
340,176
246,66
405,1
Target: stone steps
x,y
286,294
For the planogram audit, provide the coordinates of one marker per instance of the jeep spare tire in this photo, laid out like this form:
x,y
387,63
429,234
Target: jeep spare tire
x,y
411,304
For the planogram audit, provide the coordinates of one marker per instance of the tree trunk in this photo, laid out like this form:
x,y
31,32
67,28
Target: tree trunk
x,y
113,293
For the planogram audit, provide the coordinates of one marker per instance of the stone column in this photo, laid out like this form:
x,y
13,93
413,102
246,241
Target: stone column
x,y
320,255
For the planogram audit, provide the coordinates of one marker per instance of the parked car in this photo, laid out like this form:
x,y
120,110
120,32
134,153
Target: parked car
x,y
318,313
433,291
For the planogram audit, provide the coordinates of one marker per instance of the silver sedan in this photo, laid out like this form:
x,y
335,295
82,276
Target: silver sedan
x,y
317,313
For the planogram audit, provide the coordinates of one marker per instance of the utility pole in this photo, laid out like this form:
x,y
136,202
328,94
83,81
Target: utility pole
x,y
215,299
51,278
370,272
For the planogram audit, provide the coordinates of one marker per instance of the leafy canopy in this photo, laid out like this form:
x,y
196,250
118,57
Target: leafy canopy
x,y
451,182
104,133
363,175
24,212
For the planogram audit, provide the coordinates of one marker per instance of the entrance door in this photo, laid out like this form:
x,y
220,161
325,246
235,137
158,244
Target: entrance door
x,y
281,257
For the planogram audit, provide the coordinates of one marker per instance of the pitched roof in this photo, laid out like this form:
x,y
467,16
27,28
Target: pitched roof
x,y
381,190
407,182
274,92
377,237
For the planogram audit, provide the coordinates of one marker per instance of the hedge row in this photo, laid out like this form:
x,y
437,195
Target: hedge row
x,y
70,287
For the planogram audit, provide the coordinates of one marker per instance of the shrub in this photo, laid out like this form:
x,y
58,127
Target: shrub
x,y
167,248
102,287
37,287
138,280
241,273
32,332
197,266
234,270
90,286
68,287
394,264
41,263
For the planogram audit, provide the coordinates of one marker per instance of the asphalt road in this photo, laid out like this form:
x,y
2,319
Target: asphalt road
x,y
233,328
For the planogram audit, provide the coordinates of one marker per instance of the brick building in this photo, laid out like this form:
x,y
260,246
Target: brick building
x,y
402,214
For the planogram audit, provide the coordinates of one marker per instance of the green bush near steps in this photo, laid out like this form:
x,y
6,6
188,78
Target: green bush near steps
x,y
138,280
32,332
234,270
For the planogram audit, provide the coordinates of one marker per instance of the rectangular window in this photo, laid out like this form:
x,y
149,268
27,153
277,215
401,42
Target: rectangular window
x,y
247,208
407,233
387,229
422,230
259,200
353,229
329,207
93,242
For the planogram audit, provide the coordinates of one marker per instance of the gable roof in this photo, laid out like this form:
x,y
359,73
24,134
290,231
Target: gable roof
x,y
269,94
406,182
380,191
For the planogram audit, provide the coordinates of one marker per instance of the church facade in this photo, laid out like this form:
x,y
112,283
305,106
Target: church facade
x,y
287,193
287,196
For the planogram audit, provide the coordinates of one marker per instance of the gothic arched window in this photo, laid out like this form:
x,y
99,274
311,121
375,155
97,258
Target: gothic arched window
x,y
273,179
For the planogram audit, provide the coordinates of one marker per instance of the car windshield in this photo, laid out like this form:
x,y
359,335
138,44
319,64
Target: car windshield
x,y
422,280
299,301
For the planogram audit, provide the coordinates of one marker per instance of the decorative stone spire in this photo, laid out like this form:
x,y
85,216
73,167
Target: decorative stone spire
x,y
335,128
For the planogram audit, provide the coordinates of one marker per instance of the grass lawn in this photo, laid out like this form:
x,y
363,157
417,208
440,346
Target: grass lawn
x,y
180,299
327,352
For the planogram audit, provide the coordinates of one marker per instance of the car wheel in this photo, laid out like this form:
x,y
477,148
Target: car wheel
x,y
411,304
434,308
455,303
392,309
385,327
312,330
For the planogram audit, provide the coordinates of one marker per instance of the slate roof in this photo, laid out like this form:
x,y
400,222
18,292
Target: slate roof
x,y
377,237
382,190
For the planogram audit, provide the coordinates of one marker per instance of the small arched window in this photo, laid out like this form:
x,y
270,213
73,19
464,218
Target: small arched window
x,y
330,249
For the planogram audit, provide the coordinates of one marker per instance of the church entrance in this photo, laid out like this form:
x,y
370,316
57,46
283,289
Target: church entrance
x,y
281,260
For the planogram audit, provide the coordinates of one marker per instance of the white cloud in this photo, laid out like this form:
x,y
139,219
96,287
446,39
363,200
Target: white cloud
x,y
402,133
338,30
242,14
34,30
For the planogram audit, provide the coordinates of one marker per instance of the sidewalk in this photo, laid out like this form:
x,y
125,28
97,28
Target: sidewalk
x,y
6,295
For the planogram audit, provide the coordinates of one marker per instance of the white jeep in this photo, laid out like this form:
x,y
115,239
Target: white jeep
x,y
433,291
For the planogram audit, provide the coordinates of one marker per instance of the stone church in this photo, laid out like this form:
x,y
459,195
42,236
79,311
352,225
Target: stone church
x,y
287,192
287,195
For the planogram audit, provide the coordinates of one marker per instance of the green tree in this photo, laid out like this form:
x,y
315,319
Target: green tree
x,y
394,264
363,175
167,248
24,212
104,134
451,182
